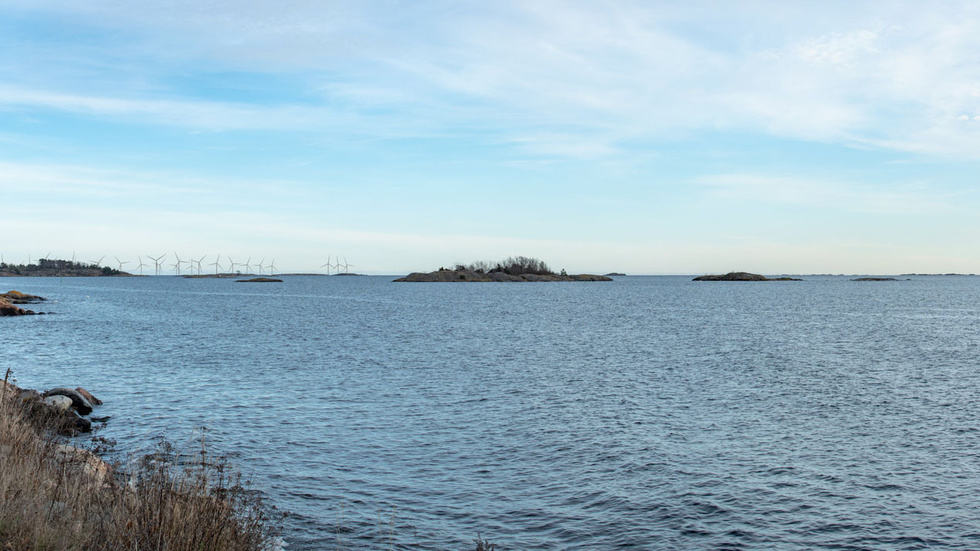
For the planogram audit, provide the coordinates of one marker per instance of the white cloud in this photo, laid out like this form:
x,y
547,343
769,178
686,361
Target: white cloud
x,y
838,48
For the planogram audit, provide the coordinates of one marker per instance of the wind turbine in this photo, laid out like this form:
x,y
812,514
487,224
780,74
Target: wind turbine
x,y
141,264
120,262
156,262
96,262
231,267
215,264
198,262
346,266
272,267
260,265
177,264
248,267
327,265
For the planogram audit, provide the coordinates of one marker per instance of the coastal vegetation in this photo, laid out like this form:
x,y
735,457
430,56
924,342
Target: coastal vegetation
x,y
59,497
514,265
512,269
46,267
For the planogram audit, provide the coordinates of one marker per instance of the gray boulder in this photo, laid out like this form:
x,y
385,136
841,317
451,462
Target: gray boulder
x,y
60,403
77,400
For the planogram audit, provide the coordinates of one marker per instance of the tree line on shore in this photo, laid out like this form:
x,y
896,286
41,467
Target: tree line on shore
x,y
513,265
54,266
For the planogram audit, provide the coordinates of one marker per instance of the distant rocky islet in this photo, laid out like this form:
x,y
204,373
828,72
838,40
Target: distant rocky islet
x,y
743,276
470,276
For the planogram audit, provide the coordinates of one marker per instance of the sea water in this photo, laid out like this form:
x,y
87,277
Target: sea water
x,y
646,412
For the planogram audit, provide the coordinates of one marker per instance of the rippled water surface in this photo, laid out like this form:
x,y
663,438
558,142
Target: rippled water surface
x,y
649,412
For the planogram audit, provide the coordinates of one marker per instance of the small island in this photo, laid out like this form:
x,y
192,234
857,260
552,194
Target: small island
x,y
47,267
742,276
875,279
259,280
514,269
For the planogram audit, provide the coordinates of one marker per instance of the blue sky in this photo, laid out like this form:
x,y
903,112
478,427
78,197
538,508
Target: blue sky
x,y
645,137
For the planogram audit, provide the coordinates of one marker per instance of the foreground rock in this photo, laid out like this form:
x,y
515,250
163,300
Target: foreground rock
x,y
10,299
78,401
61,407
742,276
469,276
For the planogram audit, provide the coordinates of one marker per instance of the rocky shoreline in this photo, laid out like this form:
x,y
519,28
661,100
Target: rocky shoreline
x,y
67,409
10,300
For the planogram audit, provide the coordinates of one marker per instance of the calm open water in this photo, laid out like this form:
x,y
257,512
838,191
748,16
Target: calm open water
x,y
650,412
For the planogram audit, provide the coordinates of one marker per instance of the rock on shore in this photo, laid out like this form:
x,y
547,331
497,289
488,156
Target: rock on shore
x,y
68,407
10,300
456,276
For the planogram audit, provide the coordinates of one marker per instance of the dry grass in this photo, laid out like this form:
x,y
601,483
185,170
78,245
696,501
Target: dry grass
x,y
55,497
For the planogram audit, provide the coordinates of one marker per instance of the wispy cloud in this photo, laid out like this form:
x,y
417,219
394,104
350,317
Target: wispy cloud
x,y
892,78
900,199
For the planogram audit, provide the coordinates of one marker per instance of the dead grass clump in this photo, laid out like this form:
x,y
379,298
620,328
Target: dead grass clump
x,y
56,497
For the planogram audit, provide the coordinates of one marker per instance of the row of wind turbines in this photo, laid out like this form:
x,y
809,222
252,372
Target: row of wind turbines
x,y
195,266
336,267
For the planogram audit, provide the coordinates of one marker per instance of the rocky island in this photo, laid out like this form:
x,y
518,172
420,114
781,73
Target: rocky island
x,y
514,269
742,276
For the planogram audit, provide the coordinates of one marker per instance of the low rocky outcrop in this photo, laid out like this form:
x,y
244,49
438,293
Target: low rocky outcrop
x,y
875,279
470,276
62,407
10,300
742,276
259,280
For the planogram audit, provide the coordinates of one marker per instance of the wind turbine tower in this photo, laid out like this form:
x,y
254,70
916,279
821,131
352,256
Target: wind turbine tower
x,y
156,262
177,264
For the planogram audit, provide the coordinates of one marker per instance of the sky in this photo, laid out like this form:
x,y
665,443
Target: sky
x,y
639,137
